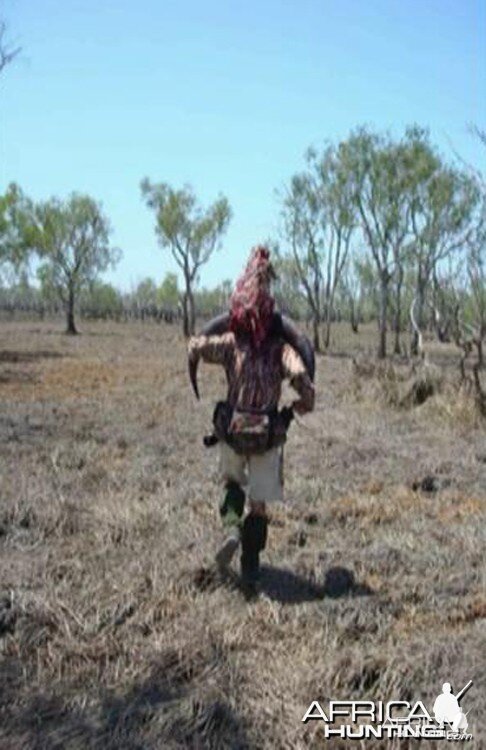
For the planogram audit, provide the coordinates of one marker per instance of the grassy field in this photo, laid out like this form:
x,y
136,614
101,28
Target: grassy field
x,y
114,631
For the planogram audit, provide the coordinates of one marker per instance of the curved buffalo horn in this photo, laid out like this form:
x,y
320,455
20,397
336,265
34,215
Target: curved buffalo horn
x,y
301,344
193,376
289,332
214,327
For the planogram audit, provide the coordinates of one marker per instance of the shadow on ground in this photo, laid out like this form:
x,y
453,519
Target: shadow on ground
x,y
284,586
165,710
287,587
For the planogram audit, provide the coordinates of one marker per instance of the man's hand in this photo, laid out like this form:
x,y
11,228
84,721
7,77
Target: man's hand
x,y
300,407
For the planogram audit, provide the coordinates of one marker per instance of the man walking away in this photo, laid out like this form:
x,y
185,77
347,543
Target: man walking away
x,y
251,431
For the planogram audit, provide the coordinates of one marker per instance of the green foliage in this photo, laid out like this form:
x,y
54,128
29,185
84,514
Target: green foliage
x,y
414,212
48,290
145,293
182,226
287,288
190,233
378,170
168,293
442,204
20,294
319,219
101,300
13,249
72,239
476,271
213,301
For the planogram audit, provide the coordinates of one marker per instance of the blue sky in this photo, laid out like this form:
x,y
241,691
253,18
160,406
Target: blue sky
x,y
226,96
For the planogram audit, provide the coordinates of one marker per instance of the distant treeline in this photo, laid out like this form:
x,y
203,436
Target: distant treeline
x,y
372,228
146,302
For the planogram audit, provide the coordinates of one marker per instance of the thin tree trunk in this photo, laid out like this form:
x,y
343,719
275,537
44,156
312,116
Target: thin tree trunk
x,y
185,316
315,325
398,312
353,316
191,312
383,315
327,338
414,348
71,326
188,310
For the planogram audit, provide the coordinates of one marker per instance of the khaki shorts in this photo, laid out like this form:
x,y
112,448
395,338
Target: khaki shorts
x,y
262,475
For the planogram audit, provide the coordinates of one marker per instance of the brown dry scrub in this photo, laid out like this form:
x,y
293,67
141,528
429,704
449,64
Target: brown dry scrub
x,y
113,631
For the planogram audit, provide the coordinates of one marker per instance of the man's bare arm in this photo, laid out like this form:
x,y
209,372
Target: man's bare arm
x,y
294,370
211,349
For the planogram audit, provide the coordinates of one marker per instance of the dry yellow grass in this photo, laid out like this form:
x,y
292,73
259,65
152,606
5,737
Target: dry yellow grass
x,y
114,633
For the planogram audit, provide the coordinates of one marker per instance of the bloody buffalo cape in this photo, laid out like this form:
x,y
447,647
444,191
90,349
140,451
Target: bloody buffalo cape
x,y
281,327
